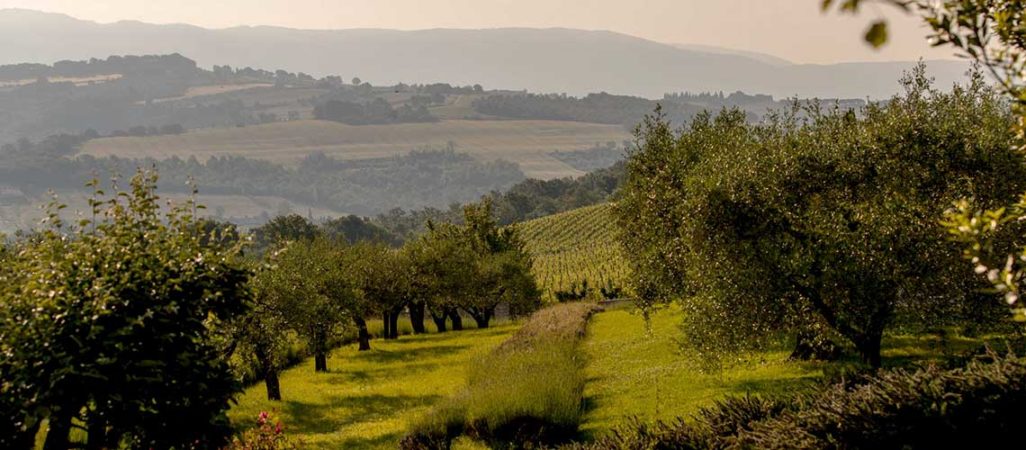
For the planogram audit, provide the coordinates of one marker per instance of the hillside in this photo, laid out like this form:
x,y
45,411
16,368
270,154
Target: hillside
x,y
540,60
575,246
528,143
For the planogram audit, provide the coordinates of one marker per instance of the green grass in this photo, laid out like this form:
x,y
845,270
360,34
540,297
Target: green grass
x,y
530,387
367,399
574,246
632,374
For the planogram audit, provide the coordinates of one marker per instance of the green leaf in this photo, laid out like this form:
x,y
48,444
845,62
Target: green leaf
x,y
877,34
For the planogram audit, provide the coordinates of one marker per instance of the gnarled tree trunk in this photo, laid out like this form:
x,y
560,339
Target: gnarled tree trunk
x,y
417,317
362,334
456,319
439,320
270,373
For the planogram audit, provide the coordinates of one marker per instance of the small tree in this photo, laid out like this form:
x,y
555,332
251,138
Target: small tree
x,y
385,284
108,324
309,282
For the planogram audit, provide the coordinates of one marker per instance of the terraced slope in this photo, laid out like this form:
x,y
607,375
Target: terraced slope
x,y
575,246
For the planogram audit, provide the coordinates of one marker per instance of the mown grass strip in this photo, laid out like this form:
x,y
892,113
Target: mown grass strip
x,y
529,390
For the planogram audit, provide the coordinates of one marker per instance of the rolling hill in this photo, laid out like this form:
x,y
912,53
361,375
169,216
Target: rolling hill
x,y
576,62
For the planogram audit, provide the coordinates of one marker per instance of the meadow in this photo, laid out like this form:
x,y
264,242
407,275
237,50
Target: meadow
x,y
526,142
368,399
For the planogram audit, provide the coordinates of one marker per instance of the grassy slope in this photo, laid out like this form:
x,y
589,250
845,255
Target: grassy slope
x,y
573,246
368,399
526,142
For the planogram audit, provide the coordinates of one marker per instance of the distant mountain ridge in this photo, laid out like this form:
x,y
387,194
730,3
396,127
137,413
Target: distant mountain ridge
x,y
555,60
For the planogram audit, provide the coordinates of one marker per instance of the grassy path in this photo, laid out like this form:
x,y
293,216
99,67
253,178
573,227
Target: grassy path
x,y
631,374
367,399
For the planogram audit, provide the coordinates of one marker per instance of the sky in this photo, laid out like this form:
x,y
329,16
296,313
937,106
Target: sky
x,y
795,30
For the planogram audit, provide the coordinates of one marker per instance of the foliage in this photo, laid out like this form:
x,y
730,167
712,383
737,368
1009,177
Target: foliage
x,y
310,286
831,219
284,229
353,229
476,266
526,393
416,179
108,324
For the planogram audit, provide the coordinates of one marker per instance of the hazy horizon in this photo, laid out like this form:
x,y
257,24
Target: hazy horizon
x,y
794,30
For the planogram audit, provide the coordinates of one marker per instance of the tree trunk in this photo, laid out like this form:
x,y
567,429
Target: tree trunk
x,y
321,362
96,434
869,349
362,335
385,330
482,317
457,320
439,321
57,435
417,317
269,372
273,385
393,324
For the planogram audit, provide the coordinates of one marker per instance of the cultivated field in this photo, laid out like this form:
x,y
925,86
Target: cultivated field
x,y
574,246
526,142
213,89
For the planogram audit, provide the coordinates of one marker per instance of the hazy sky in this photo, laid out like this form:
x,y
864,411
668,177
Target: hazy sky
x,y
791,29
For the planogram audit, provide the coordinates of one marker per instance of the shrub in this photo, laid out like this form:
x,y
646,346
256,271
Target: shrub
x,y
527,393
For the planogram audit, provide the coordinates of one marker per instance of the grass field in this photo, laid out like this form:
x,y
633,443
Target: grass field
x,y
368,399
632,374
573,246
525,142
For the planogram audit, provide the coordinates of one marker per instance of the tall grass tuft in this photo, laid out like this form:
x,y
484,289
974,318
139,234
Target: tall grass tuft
x,y
526,393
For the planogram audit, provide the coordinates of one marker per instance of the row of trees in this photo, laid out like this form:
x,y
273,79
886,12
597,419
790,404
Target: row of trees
x,y
123,328
317,286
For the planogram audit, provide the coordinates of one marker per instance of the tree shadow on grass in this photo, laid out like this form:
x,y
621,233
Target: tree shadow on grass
x,y
390,440
365,376
342,411
379,356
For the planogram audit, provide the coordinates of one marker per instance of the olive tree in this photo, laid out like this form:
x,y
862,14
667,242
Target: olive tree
x,y
815,217
990,32
107,326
